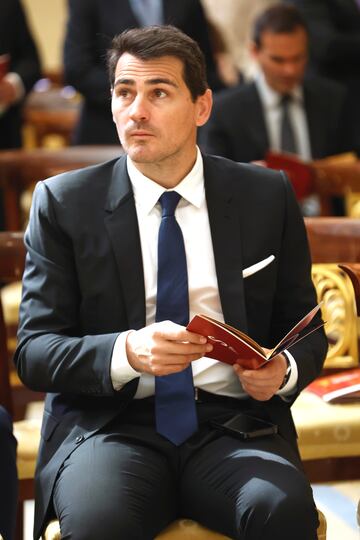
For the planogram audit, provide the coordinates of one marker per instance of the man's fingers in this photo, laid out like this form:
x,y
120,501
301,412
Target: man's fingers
x,y
174,332
180,348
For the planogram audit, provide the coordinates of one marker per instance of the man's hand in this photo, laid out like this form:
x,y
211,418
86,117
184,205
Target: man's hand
x,y
7,93
263,383
164,348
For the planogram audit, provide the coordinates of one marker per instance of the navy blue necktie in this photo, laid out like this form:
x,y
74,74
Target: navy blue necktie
x,y
175,408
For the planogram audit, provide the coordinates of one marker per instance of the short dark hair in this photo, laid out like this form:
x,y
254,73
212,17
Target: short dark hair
x,y
278,19
157,41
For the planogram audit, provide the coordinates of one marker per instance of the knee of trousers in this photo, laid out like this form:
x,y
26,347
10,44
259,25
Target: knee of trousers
x,y
272,512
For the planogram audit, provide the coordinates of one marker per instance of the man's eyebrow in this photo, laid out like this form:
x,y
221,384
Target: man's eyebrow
x,y
157,80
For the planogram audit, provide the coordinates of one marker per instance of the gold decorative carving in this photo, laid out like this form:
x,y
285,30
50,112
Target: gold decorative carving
x,y
334,288
352,203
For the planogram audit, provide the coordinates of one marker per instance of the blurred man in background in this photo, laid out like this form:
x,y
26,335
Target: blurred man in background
x,y
19,70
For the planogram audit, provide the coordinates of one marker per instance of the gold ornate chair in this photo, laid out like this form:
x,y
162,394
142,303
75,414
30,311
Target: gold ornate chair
x,y
12,256
182,529
329,435
20,169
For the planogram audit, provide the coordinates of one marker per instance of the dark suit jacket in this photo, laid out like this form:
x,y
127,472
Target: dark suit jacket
x,y
8,475
16,40
84,283
91,26
237,129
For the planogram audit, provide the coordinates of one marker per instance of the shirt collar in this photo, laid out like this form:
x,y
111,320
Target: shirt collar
x,y
147,192
269,97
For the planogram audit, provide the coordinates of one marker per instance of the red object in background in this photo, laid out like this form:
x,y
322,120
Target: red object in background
x,y
4,64
337,388
300,173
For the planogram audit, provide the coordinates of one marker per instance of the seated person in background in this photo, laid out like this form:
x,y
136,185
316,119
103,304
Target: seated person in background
x,y
90,29
113,276
8,476
334,33
280,110
23,71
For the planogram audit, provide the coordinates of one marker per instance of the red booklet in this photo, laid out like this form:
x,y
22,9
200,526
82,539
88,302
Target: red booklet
x,y
232,346
338,388
4,64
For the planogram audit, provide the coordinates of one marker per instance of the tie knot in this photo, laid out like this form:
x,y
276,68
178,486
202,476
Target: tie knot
x,y
169,201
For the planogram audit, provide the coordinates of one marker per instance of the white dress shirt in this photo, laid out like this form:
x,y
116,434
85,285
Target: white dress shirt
x,y
271,102
192,216
19,88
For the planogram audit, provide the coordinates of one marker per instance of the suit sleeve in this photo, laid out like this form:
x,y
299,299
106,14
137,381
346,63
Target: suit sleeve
x,y
214,137
83,68
51,357
24,56
295,294
197,28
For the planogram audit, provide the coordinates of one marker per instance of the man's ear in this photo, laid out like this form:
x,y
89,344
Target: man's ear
x,y
203,107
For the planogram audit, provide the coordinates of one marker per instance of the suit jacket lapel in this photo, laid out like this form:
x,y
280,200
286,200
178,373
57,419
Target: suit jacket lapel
x,y
256,119
122,226
224,220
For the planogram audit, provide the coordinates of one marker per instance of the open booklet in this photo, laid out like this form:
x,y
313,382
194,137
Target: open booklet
x,y
232,346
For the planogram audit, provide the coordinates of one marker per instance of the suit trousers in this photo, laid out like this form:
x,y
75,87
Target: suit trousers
x,y
128,482
8,477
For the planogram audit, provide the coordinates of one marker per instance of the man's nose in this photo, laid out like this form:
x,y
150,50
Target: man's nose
x,y
290,69
139,110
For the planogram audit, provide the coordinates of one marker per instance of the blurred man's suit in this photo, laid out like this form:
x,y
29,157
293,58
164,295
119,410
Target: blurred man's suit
x,y
16,40
8,475
237,128
334,31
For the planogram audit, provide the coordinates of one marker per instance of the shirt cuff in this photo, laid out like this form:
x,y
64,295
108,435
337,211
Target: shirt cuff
x,y
120,370
290,386
15,80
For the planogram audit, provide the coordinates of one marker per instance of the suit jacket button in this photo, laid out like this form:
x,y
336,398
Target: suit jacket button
x,y
79,439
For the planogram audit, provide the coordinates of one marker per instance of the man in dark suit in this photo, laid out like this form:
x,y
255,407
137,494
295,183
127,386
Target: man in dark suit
x,y
8,475
91,335
91,26
334,31
246,121
23,70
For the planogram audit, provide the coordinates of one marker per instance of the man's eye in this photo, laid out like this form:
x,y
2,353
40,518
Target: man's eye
x,y
159,93
122,92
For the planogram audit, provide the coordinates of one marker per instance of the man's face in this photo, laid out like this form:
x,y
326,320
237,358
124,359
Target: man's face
x,y
282,58
155,116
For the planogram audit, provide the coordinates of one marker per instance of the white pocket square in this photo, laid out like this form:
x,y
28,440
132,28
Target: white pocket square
x,y
257,266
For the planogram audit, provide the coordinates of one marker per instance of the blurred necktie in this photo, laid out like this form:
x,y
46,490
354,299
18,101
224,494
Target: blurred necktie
x,y
175,407
287,136
148,12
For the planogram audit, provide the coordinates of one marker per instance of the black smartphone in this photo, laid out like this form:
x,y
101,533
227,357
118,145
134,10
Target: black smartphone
x,y
244,426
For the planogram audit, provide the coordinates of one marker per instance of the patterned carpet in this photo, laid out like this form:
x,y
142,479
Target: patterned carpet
x,y
338,501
